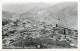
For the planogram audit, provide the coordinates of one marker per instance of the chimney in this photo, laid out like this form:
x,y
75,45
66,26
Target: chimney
x,y
65,31
56,25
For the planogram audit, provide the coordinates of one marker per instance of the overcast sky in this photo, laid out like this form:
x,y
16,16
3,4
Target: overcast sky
x,y
24,1
17,6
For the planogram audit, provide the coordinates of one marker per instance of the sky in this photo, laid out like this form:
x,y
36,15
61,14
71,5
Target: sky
x,y
9,4
27,1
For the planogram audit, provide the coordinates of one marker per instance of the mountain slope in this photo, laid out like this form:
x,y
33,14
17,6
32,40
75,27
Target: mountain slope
x,y
64,14
67,13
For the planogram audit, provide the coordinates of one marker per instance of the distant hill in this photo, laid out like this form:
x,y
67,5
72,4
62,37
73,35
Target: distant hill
x,y
66,12
22,8
6,14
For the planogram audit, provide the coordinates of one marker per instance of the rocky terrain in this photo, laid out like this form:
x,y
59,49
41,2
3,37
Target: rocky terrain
x,y
36,26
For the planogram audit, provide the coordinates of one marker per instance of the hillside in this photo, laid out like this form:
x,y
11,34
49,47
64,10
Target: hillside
x,y
66,12
40,26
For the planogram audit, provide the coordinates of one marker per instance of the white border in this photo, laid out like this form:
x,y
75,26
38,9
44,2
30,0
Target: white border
x,y
27,1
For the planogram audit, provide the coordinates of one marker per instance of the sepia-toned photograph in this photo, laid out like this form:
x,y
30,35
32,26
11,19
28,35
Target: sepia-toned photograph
x,y
40,25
